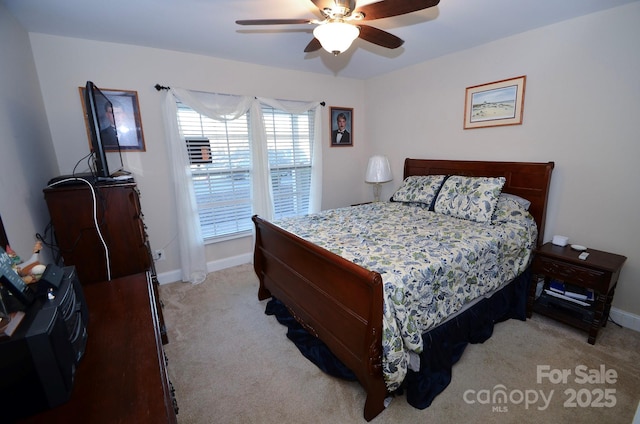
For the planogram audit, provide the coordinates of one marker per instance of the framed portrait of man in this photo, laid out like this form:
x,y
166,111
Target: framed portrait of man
x,y
341,126
126,112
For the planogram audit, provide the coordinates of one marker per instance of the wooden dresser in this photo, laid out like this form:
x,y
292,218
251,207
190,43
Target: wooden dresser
x,y
119,217
122,377
74,211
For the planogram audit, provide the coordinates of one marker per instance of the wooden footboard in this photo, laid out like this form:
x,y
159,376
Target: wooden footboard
x,y
334,299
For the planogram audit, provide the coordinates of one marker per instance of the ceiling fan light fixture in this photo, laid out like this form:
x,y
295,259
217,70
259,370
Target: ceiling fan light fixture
x,y
336,37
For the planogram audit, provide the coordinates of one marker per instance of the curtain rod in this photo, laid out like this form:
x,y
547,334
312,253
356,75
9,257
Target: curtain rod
x,y
162,87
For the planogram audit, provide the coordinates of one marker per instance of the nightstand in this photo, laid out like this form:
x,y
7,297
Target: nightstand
x,y
599,272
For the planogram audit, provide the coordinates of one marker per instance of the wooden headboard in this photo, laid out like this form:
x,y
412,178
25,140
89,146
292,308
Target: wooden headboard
x,y
525,179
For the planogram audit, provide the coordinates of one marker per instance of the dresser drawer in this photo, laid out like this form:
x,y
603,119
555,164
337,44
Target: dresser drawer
x,y
585,277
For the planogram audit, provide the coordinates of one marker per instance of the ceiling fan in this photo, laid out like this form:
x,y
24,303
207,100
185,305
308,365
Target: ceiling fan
x,y
341,25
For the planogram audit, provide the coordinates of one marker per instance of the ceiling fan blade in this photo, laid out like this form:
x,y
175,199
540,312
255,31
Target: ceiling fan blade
x,y
388,8
313,46
379,37
273,21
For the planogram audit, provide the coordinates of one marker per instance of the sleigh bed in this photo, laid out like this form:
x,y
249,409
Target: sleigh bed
x,y
343,303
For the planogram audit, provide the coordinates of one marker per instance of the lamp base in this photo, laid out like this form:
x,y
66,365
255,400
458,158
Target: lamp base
x,y
376,192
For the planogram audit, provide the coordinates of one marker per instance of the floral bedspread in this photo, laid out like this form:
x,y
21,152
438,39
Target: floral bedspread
x,y
431,264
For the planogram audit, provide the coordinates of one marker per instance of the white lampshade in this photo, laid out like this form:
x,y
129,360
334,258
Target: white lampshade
x,y
336,37
378,170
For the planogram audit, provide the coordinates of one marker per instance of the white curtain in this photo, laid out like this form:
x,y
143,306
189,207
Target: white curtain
x,y
224,107
296,108
192,257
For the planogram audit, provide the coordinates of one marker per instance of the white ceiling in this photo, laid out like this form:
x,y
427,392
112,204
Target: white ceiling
x,y
208,27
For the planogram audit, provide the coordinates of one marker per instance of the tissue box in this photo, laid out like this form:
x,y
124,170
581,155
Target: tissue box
x,y
560,240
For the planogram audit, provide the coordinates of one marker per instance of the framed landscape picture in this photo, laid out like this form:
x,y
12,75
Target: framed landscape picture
x,y
494,104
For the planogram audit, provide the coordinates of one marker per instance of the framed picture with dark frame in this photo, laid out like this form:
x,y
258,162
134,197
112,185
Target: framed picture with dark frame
x,y
495,104
341,126
126,111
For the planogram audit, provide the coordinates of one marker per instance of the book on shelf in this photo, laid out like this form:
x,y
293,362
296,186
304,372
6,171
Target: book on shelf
x,y
571,291
565,297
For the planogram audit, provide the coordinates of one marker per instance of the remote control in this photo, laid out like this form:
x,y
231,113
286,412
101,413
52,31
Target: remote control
x,y
583,256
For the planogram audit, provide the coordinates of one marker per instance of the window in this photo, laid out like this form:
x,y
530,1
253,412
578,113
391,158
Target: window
x,y
289,141
220,157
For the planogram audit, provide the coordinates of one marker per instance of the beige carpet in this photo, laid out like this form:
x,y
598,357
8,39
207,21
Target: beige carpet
x,y
231,363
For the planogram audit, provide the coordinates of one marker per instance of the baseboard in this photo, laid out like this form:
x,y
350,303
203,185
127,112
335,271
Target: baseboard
x,y
625,319
169,276
245,258
176,274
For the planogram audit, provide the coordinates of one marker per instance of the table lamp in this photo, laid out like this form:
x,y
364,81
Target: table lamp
x,y
378,172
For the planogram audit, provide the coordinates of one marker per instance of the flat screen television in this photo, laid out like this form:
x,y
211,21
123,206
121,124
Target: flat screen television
x,y
104,137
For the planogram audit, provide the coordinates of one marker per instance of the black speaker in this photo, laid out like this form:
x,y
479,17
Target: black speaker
x,y
68,298
51,277
37,367
38,363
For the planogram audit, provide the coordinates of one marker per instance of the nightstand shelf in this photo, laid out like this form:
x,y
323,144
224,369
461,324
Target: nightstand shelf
x,y
599,273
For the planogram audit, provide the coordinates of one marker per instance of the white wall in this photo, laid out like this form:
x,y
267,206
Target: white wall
x,y
581,111
64,64
26,154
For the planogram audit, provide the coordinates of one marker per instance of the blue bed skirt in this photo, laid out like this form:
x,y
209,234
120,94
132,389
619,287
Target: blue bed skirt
x,y
443,346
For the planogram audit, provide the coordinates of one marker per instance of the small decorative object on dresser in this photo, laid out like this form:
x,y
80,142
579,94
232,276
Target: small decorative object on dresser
x,y
575,291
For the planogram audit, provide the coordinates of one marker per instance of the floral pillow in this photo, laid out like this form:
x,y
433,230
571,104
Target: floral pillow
x,y
509,209
472,198
419,189
521,200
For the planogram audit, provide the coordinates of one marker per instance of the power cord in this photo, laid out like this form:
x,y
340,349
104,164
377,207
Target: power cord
x,y
90,164
611,320
53,247
95,217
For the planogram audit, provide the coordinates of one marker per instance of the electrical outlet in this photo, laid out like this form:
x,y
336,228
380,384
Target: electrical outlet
x,y
158,255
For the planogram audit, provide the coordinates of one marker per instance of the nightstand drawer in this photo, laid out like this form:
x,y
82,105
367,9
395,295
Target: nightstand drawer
x,y
586,277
